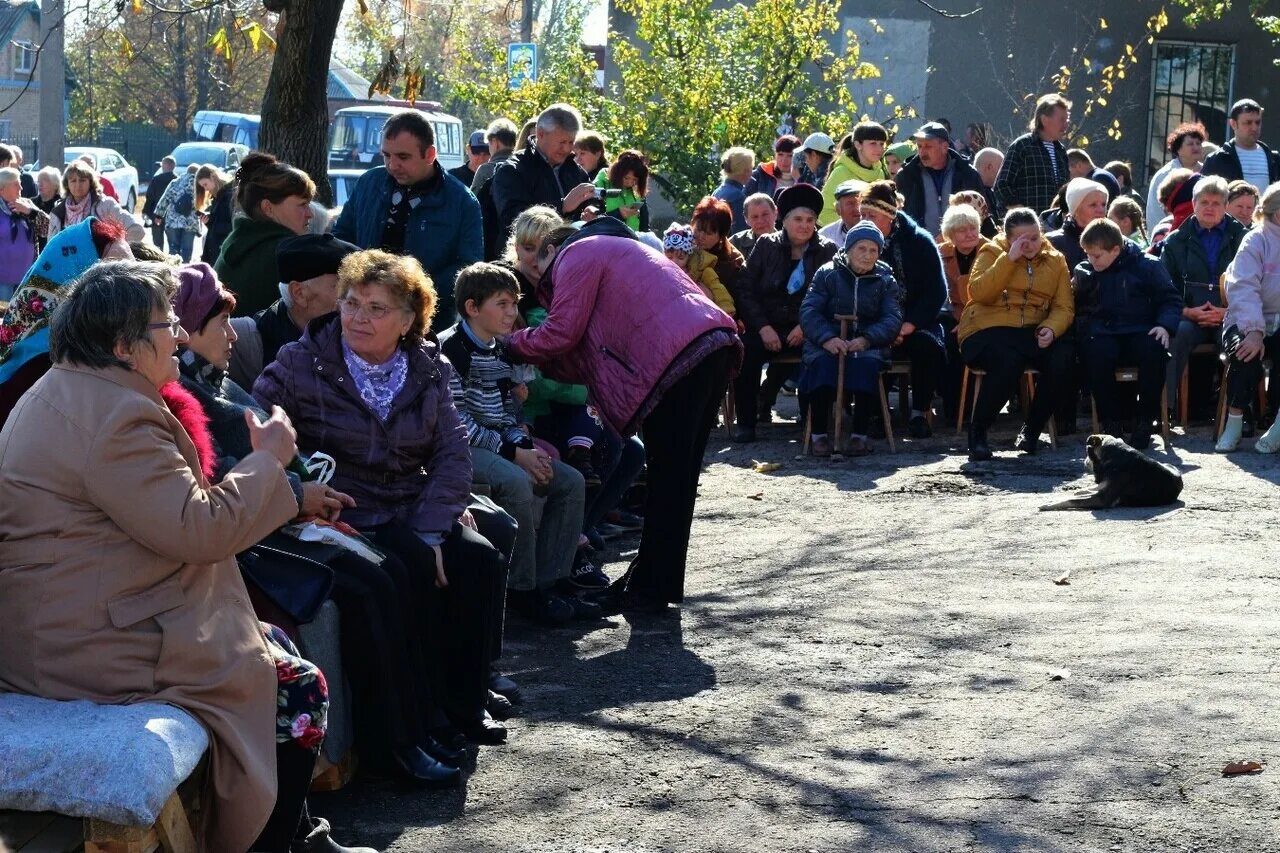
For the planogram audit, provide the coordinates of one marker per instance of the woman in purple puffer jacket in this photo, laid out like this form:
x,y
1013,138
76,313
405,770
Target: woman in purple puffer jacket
x,y
653,352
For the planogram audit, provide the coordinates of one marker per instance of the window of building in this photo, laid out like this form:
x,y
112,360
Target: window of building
x,y
1189,82
24,57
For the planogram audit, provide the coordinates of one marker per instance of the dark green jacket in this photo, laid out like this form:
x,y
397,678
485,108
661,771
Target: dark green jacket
x,y
247,263
1184,257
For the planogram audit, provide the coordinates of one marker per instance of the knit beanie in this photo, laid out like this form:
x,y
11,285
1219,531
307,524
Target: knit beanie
x,y
198,291
1078,189
881,196
678,237
864,231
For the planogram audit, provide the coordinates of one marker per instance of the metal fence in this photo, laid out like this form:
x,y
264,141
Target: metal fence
x,y
142,145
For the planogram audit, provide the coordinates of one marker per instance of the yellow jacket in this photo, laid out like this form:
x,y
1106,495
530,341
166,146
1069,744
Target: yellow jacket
x,y
1018,293
845,167
702,269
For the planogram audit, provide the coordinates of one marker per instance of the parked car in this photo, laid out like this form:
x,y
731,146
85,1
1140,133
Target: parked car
x,y
343,183
224,155
112,166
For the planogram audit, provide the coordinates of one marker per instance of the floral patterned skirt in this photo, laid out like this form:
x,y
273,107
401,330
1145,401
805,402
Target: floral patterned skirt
x,y
302,695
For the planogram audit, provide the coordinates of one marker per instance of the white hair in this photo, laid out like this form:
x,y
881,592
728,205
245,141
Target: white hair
x,y
9,176
560,117
1212,185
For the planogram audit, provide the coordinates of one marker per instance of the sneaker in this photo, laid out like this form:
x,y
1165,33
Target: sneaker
x,y
610,531
789,387
820,446
1269,441
541,606
580,458
919,427
595,539
625,520
586,574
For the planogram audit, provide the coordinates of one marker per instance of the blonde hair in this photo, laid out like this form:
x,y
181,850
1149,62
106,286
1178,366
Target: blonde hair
x,y
79,167
737,160
402,276
1127,208
957,216
531,226
220,180
1271,202
1045,106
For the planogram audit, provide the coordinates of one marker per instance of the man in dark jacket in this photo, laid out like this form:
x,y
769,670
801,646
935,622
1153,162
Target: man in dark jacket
x,y
1196,256
1035,166
1130,309
477,156
770,293
543,173
927,180
913,256
307,268
1244,157
411,207
155,189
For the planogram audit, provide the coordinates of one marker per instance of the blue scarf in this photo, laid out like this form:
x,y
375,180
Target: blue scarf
x,y
378,383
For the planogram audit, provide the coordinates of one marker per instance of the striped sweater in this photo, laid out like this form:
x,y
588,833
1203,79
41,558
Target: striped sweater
x,y
481,386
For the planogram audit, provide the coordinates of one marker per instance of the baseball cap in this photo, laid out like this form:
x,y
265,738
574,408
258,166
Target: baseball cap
x,y
479,142
818,142
851,187
932,130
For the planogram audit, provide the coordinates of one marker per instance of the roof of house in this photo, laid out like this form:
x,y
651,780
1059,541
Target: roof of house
x,y
345,84
11,16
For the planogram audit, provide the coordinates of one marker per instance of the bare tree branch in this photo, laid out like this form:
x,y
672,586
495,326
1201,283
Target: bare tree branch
x,y
944,13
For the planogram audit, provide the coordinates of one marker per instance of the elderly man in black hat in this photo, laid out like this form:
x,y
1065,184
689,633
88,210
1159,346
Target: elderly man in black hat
x,y
307,268
848,208
477,156
770,292
927,181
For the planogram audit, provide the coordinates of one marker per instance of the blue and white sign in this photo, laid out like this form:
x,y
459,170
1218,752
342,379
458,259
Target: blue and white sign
x,y
522,63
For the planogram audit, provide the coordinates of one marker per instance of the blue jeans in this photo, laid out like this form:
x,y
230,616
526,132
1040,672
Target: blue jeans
x,y
623,461
181,241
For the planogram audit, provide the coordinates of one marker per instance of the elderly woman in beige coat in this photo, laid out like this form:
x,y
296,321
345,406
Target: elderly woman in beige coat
x,y
118,582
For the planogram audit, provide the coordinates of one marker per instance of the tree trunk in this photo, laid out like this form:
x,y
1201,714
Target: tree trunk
x,y
53,83
295,109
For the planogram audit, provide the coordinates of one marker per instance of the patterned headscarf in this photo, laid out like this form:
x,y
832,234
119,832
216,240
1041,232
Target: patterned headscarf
x,y
678,237
24,329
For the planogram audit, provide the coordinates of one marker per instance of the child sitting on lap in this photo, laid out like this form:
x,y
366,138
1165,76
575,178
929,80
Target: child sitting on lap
x,y
854,283
678,246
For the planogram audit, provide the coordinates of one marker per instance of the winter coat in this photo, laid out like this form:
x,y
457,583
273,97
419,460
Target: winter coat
x,y
872,297
526,179
764,179
247,263
1028,178
734,194
957,284
105,208
702,269
1132,295
845,167
218,226
485,171
414,467
444,231
1253,281
619,317
762,297
1226,163
159,182
913,183
118,581
1184,257
913,256
1017,294
260,337
166,207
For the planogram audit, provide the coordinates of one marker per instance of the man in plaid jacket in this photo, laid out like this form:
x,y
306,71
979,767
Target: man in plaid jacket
x,y
1035,166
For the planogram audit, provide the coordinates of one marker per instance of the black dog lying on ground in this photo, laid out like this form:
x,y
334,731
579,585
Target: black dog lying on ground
x,y
1126,477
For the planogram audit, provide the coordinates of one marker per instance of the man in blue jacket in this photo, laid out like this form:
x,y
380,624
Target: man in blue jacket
x,y
411,206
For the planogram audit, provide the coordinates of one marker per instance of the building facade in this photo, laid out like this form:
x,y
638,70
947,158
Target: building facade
x,y
19,90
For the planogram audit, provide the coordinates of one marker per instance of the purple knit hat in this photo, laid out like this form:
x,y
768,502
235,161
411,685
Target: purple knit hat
x,y
198,291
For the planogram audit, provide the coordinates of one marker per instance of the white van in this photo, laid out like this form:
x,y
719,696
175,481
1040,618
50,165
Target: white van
x,y
222,126
356,139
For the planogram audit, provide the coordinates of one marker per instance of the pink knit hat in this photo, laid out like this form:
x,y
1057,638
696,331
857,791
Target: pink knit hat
x,y
198,291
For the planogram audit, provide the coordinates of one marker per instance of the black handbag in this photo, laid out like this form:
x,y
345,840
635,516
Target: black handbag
x,y
1197,293
294,574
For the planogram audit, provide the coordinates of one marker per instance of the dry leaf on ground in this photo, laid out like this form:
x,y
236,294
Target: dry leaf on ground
x,y
758,496
1241,768
1063,579
765,467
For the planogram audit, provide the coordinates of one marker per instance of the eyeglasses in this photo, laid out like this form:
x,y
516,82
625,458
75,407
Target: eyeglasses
x,y
372,310
174,326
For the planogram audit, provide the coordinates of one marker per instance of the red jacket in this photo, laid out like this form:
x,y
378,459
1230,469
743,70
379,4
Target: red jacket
x,y
618,315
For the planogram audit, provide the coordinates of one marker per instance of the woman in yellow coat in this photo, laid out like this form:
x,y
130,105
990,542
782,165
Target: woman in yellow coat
x,y
1020,305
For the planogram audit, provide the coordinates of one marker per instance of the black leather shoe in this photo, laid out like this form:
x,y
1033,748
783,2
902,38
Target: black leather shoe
x,y
500,683
499,706
979,449
744,435
424,770
452,756
1140,440
919,427
485,730
1027,442
623,601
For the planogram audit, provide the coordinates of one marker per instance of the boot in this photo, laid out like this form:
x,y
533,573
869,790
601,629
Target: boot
x,y
979,449
318,840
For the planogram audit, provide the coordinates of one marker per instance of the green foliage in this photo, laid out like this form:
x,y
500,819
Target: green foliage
x,y
1201,11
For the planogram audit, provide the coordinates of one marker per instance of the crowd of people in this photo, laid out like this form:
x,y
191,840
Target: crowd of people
x,y
471,379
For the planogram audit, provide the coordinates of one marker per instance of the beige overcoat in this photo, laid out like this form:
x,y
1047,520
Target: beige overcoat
x,y
117,577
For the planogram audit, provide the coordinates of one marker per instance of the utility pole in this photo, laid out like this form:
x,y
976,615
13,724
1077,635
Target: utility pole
x,y
526,22
53,83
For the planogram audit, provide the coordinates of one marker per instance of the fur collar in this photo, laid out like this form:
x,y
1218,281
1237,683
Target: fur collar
x,y
187,409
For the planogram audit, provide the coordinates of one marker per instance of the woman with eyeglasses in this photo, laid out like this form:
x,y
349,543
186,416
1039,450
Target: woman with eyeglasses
x,y
118,579
365,387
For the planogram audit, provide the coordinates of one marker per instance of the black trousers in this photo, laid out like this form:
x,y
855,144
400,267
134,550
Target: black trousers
x,y
1243,376
386,663
454,624
927,359
746,388
1004,352
500,529
953,369
675,438
822,399
1102,354
289,819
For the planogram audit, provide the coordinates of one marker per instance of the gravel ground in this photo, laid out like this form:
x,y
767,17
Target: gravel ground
x,y
873,656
